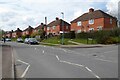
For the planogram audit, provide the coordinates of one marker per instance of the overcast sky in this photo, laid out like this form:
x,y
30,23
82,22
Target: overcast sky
x,y
21,13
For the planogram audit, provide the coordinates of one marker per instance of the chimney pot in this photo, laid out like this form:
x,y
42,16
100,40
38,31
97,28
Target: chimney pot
x,y
91,10
57,18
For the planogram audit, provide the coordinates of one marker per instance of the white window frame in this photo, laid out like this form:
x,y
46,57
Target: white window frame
x,y
78,31
99,28
54,27
110,20
67,27
91,29
91,21
79,23
48,28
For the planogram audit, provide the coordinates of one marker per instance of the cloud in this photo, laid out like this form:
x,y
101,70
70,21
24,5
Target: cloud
x,y
112,7
21,13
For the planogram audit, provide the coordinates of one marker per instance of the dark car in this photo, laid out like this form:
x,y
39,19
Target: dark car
x,y
32,41
20,40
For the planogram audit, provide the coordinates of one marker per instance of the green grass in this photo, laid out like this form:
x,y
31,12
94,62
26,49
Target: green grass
x,y
84,41
55,40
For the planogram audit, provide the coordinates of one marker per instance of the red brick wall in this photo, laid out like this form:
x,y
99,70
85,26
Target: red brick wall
x,y
105,23
108,25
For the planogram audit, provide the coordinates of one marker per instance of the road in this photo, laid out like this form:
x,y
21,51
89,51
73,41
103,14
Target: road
x,y
39,61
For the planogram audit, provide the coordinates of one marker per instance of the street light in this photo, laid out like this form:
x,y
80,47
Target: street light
x,y
62,27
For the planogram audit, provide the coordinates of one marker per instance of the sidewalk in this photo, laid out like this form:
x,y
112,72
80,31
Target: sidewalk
x,y
77,46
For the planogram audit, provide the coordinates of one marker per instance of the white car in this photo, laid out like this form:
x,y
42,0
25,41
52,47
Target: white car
x,y
19,40
8,39
26,40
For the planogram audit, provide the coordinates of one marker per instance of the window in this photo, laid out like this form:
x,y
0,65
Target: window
x,y
99,28
91,29
91,21
48,28
79,23
53,27
67,27
78,31
110,21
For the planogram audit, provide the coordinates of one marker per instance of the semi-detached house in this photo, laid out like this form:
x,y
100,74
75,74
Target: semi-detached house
x,y
57,27
93,21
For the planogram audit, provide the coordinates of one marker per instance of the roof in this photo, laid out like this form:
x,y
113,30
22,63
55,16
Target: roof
x,y
93,15
40,26
29,28
18,30
57,22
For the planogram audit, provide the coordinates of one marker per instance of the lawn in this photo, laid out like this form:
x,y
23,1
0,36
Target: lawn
x,y
84,41
56,40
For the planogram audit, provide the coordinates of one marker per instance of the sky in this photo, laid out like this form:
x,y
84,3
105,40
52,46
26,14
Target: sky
x,y
22,13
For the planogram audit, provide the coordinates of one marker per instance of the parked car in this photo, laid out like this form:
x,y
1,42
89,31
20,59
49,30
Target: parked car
x,y
8,39
32,41
20,40
26,40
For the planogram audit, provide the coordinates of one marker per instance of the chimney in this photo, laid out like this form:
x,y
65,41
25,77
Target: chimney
x,y
46,20
41,23
91,10
18,29
57,18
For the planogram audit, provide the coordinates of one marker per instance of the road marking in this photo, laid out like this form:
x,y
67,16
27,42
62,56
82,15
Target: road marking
x,y
24,73
43,51
23,62
105,60
88,69
57,58
80,65
13,63
72,63
92,72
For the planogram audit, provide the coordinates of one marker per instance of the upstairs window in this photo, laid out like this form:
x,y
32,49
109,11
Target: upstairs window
x,y
67,27
110,21
53,27
48,28
79,23
91,21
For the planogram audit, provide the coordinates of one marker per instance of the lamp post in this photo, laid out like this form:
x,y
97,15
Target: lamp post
x,y
62,28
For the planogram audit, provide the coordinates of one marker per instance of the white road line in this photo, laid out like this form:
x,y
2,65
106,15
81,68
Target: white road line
x,y
92,72
78,65
43,51
24,73
105,60
12,63
23,62
57,58
88,69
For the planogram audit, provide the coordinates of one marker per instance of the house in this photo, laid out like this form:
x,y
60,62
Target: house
x,y
38,28
57,26
28,31
8,34
93,21
17,33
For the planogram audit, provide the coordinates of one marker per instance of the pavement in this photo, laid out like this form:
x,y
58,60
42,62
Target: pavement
x,y
40,61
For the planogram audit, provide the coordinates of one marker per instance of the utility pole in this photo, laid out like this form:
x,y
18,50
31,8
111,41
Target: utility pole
x,y
62,28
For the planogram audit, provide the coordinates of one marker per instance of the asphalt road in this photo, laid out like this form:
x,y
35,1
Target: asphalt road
x,y
33,61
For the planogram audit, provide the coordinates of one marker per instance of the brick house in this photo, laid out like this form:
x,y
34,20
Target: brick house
x,y
28,31
93,21
17,33
57,26
8,34
40,27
